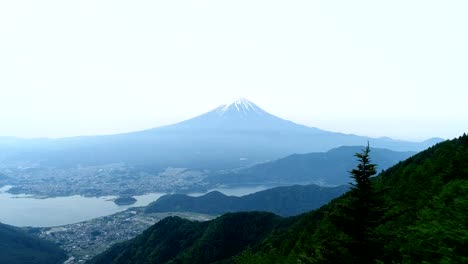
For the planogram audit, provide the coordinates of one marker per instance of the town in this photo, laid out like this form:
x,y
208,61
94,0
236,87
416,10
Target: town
x,y
97,181
84,240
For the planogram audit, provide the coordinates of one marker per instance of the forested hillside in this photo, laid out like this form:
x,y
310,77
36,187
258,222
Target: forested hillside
x,y
18,247
284,201
176,240
420,217
425,204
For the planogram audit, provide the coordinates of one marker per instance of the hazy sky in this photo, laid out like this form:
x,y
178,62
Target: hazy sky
x,y
376,68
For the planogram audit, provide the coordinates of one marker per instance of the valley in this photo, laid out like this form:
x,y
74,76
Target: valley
x,y
130,180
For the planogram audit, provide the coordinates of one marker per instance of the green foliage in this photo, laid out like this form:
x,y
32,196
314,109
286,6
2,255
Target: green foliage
x,y
18,247
362,175
363,213
413,188
159,244
440,231
175,240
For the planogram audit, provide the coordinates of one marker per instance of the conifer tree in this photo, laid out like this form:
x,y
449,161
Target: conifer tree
x,y
365,210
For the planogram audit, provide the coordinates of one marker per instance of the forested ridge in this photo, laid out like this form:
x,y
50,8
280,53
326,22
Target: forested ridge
x,y
284,201
176,240
18,247
418,215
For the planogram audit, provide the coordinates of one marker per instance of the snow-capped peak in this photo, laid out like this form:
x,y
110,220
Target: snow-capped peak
x,y
242,103
241,106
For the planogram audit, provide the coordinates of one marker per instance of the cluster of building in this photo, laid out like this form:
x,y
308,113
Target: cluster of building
x,y
82,241
95,181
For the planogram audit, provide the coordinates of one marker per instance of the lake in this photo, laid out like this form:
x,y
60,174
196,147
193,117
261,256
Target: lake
x,y
24,210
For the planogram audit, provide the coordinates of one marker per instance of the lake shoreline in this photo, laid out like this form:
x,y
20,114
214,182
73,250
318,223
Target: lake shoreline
x,y
34,211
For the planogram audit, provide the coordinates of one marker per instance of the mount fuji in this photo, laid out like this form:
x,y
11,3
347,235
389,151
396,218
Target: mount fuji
x,y
240,115
229,136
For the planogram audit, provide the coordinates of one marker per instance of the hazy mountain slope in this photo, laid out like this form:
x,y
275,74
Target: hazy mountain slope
x,y
284,201
18,247
329,168
426,200
229,136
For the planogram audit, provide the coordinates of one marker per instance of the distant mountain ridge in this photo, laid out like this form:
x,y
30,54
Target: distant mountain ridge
x,y
324,168
229,136
284,201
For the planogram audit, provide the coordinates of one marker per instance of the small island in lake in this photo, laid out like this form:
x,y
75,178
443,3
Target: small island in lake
x,y
125,201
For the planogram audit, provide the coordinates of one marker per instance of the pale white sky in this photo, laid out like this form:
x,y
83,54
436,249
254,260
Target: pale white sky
x,y
376,68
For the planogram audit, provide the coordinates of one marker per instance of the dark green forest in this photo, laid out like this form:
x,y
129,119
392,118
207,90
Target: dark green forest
x,y
176,240
415,212
18,247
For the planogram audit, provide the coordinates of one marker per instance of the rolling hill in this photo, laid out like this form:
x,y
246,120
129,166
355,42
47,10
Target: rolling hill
x,y
284,201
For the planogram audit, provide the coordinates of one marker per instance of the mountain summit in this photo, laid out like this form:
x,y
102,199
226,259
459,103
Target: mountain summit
x,y
240,115
242,107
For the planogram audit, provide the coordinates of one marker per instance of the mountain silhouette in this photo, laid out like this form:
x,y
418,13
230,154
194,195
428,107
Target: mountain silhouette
x,y
232,135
